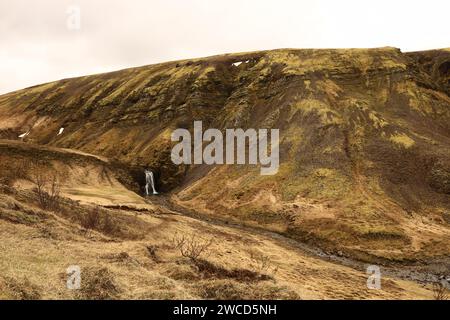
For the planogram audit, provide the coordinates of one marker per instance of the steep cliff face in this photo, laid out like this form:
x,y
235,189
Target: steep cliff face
x,y
364,139
436,64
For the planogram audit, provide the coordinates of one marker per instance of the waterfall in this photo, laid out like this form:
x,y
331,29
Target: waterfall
x,y
149,181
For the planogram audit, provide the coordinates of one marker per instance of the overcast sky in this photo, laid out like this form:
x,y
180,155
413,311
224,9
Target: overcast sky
x,y
46,40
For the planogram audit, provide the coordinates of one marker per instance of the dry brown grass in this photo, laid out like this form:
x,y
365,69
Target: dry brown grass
x,y
129,255
13,169
97,219
440,292
97,283
18,212
126,269
232,290
19,289
208,269
91,220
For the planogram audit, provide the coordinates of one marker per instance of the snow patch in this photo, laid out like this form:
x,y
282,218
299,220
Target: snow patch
x,y
237,64
23,135
60,131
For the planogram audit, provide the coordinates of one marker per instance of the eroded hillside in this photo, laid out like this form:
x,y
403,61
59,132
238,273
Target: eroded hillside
x,y
364,140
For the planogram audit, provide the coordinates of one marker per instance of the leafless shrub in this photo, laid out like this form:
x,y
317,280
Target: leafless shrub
x,y
96,219
152,252
20,169
92,220
440,291
191,246
108,226
262,263
47,189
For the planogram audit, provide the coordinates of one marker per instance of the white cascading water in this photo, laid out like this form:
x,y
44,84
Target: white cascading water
x,y
149,181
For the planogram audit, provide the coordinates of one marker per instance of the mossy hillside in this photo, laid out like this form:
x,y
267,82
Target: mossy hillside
x,y
364,136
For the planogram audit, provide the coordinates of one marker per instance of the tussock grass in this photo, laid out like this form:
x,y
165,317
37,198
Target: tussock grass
x,y
98,283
